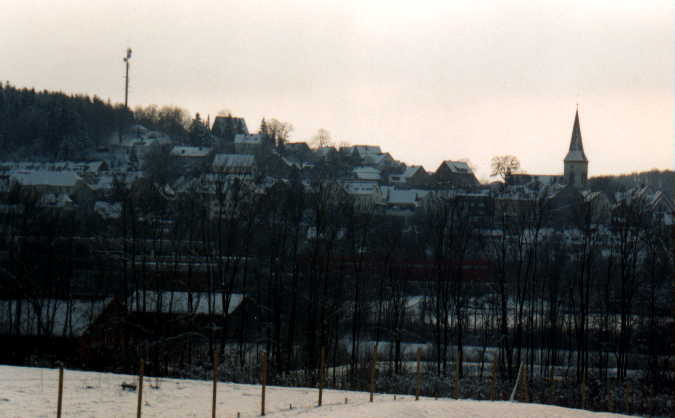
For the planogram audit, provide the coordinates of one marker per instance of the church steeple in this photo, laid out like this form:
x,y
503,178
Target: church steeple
x,y
576,152
576,163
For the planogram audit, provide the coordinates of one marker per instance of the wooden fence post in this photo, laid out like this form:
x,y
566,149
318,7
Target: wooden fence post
x,y
610,397
322,366
215,382
140,390
628,398
419,376
372,373
263,381
584,393
493,381
59,404
456,389
525,385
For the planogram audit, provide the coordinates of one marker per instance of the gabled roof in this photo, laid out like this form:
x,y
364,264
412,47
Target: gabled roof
x,y
412,170
459,167
233,160
576,151
405,197
297,147
45,178
248,139
190,152
367,173
364,150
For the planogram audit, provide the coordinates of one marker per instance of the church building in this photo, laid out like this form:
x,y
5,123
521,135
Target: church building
x,y
576,163
575,166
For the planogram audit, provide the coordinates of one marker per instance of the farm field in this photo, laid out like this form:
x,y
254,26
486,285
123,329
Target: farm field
x,y
32,392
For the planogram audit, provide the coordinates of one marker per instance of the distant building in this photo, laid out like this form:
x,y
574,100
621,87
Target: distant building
x,y
234,164
455,174
576,163
245,143
415,176
227,127
367,194
366,173
575,166
534,179
45,181
192,157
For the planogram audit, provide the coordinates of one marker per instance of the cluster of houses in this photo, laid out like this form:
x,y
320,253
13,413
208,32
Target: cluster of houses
x,y
375,180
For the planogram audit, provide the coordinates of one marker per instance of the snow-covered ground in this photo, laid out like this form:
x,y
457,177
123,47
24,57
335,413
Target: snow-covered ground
x,y
32,392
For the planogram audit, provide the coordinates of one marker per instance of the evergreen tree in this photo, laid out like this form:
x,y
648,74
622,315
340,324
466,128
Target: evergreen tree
x,y
199,134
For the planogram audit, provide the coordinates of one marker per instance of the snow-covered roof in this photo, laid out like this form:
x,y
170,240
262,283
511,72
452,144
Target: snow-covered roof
x,y
380,159
181,302
402,197
411,171
76,166
366,173
50,317
233,160
45,178
255,139
191,152
458,166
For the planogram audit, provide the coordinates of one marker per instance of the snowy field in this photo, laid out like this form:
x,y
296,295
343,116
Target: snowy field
x,y
32,392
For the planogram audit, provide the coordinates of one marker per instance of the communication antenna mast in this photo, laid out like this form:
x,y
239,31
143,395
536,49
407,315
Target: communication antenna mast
x,y
126,78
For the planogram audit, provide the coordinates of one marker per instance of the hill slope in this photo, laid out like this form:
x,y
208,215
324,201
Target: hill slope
x,y
31,392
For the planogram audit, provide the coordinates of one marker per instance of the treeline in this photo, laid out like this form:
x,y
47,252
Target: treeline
x,y
53,125
663,180
323,270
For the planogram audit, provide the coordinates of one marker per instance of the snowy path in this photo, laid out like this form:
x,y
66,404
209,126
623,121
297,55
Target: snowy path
x,y
32,392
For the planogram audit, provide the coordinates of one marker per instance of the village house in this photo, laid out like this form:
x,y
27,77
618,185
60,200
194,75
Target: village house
x,y
455,174
403,202
192,157
367,194
413,176
240,164
367,173
56,188
247,144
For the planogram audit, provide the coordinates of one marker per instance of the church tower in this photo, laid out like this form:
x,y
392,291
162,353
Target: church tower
x,y
576,163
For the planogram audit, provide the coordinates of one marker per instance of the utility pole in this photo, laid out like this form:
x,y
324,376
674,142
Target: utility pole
x,y
126,79
126,92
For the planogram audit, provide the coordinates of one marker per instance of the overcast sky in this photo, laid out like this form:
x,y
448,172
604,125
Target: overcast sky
x,y
426,81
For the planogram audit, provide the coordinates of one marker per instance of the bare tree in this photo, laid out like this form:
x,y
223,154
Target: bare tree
x,y
321,139
276,132
504,165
